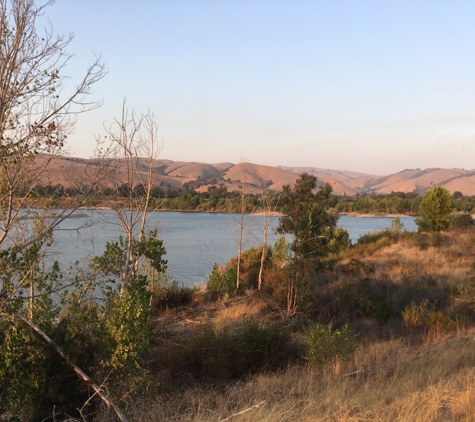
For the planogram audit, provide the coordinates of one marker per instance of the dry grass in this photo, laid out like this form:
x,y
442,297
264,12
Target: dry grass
x,y
415,256
430,377
384,381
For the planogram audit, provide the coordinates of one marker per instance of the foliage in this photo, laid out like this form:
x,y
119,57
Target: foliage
x,y
106,337
24,359
221,285
306,217
168,294
366,299
313,230
462,221
435,210
281,251
339,241
326,344
397,225
379,204
413,316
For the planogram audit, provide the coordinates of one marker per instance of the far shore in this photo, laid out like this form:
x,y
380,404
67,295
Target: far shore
x,y
354,214
264,213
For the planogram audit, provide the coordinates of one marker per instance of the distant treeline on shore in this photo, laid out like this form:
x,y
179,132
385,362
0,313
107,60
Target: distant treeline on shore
x,y
219,199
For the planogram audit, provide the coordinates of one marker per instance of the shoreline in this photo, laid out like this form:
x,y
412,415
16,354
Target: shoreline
x,y
353,214
259,213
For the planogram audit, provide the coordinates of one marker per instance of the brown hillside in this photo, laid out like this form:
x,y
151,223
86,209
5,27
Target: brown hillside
x,y
259,176
421,181
465,184
338,187
71,171
362,183
394,178
195,170
338,175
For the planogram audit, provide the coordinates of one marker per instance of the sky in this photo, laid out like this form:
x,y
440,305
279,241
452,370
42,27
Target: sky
x,y
367,86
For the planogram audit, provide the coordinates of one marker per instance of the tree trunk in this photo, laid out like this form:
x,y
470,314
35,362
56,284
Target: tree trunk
x,y
263,258
291,300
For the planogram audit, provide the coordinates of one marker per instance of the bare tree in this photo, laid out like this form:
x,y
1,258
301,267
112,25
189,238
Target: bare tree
x,y
268,213
242,194
130,160
37,113
37,110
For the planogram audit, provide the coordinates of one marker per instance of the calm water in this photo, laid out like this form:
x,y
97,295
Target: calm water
x,y
194,241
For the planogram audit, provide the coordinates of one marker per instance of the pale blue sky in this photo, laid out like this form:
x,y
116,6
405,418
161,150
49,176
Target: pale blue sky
x,y
370,86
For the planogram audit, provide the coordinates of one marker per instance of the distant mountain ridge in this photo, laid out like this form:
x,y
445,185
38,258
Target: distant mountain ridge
x,y
257,177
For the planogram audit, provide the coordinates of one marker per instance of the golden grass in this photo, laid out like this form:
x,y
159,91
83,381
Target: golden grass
x,y
416,379
384,381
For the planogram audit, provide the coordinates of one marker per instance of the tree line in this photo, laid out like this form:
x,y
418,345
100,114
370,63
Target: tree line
x,y
218,198
396,203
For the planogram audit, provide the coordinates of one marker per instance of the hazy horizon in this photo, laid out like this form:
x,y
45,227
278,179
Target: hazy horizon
x,y
361,86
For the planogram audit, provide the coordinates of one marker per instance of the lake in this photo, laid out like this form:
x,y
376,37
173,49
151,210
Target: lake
x,y
194,241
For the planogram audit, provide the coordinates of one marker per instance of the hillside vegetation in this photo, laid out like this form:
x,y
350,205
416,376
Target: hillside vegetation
x,y
314,329
409,299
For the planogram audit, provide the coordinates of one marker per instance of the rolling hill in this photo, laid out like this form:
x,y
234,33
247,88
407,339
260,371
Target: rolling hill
x,y
255,177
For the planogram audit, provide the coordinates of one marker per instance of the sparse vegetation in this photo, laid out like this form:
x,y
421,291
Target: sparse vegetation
x,y
401,330
317,329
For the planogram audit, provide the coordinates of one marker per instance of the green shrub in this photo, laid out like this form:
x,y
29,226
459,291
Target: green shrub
x,y
438,322
169,295
397,225
413,316
462,221
435,210
436,239
367,298
324,344
374,237
219,285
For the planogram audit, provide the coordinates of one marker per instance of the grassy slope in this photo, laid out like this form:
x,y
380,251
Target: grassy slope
x,y
396,374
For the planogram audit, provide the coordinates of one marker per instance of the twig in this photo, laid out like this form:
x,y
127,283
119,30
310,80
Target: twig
x,y
78,370
256,406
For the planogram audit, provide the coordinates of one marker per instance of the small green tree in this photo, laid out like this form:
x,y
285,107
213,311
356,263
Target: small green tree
x,y
435,210
312,227
306,217
326,344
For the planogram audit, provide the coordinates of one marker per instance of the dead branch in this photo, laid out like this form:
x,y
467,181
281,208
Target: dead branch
x,y
76,369
256,406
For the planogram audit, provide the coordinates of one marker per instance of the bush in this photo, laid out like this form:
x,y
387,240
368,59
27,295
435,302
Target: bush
x,y
219,285
413,316
367,298
435,210
374,237
462,221
171,295
438,323
325,345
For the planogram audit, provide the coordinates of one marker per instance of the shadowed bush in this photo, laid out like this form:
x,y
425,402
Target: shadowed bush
x,y
231,350
171,295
